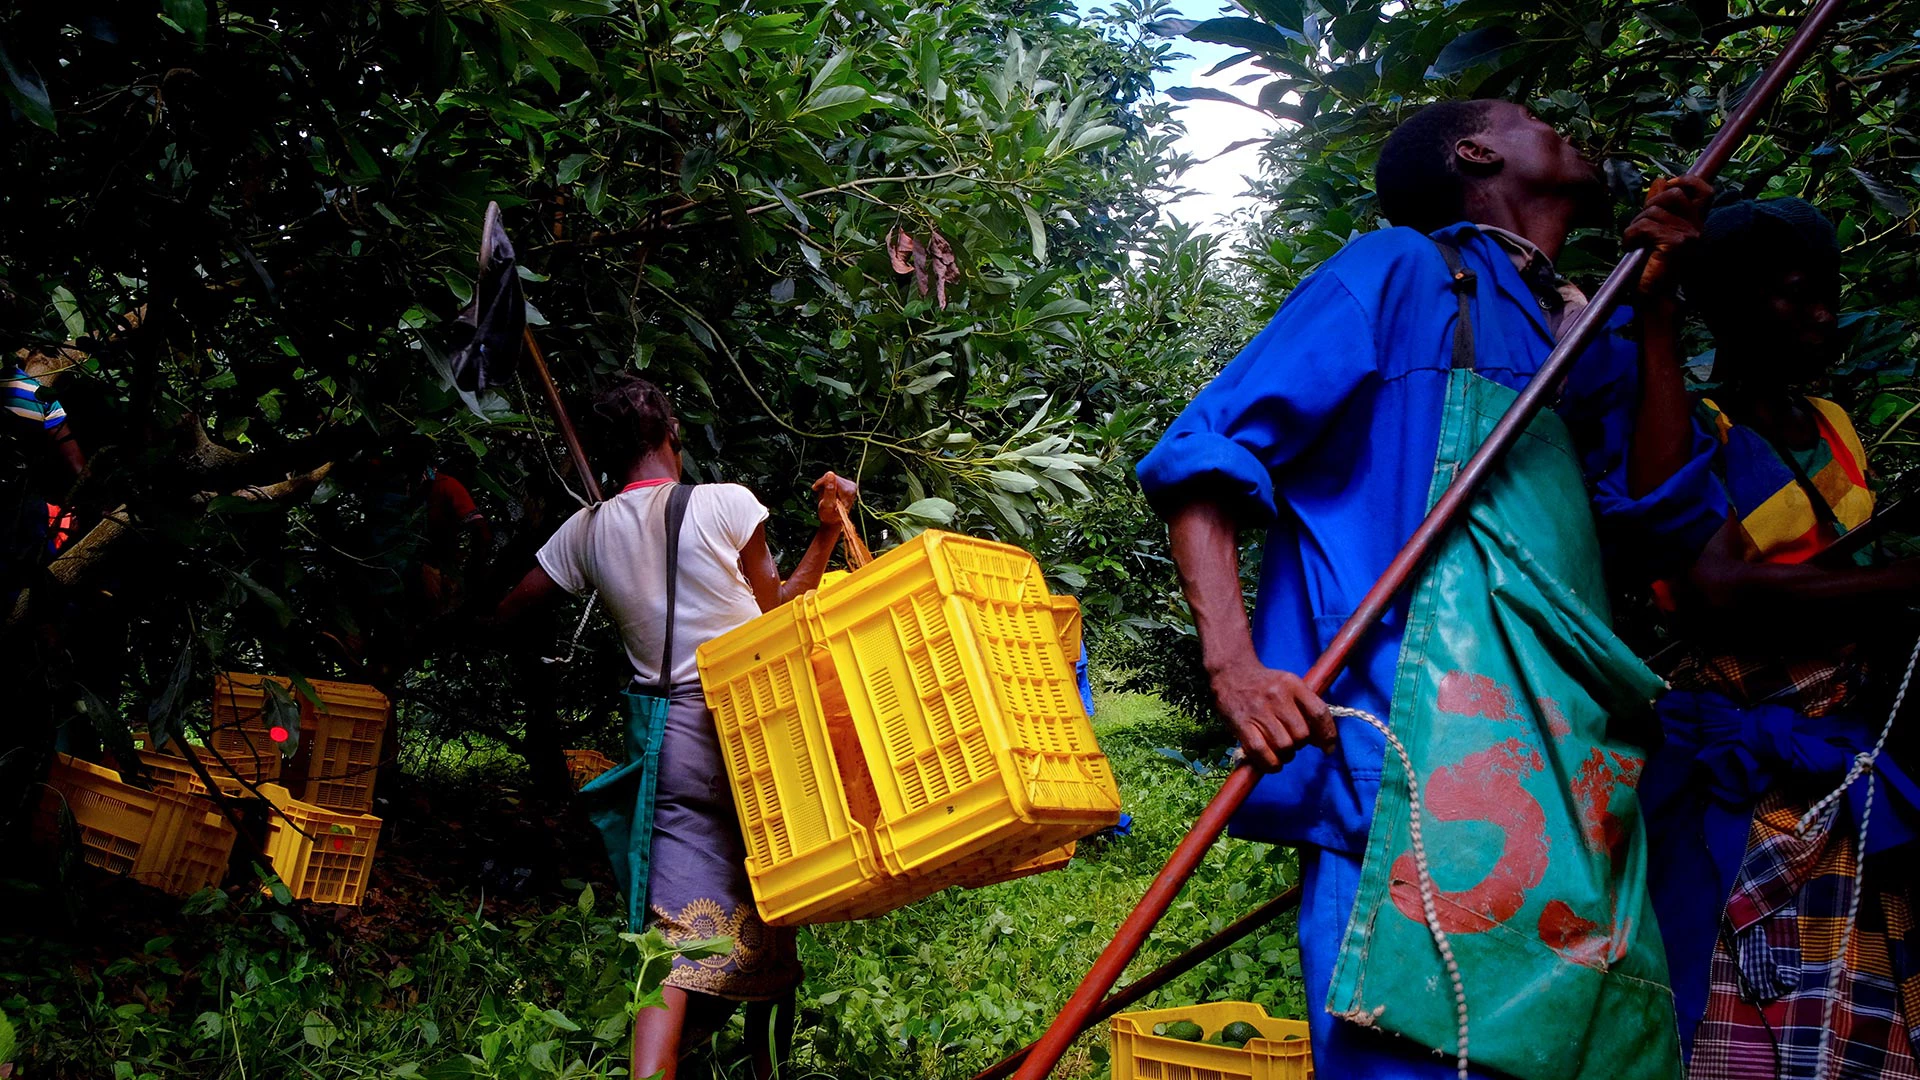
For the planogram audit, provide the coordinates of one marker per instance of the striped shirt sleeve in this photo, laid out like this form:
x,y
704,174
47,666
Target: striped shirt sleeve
x,y
20,394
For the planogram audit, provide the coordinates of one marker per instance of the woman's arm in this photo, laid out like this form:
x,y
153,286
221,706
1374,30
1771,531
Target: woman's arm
x,y
536,590
1778,595
756,559
1668,226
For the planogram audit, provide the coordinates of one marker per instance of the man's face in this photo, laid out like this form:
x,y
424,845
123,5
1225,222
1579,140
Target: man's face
x,y
1535,157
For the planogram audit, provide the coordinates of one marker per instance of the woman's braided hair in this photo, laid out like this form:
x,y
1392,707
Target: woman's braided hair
x,y
629,417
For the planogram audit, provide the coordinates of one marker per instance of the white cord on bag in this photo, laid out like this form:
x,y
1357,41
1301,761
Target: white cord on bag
x,y
1825,809
1427,889
578,628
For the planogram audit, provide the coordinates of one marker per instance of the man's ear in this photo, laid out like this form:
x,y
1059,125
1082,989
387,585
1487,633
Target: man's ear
x,y
1475,158
673,434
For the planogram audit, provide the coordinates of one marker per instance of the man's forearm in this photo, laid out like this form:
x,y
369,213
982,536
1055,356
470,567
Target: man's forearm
x,y
812,564
1662,428
1206,548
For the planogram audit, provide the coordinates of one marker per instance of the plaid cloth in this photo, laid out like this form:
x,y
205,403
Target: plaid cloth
x,y
1777,961
1809,685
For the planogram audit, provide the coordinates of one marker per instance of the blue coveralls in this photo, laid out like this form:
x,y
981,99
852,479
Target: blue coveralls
x,y
1324,431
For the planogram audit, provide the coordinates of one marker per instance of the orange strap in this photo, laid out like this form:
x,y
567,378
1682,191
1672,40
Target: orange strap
x,y
857,553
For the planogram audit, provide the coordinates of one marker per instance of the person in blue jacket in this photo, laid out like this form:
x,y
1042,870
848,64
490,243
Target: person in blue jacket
x,y
1323,433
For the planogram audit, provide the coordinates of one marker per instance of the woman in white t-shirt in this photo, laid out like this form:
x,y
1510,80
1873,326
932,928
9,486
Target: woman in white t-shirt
x,y
726,576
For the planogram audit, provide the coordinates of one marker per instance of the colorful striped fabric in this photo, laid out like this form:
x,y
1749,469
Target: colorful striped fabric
x,y
21,394
1778,959
1781,520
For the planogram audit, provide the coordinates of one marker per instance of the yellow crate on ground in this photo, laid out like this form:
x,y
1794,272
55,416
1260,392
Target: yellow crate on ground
x,y
911,717
1282,1053
240,739
171,840
164,767
344,734
584,765
319,854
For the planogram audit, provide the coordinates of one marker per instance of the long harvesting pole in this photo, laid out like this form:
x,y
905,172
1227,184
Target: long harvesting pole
x,y
1080,1008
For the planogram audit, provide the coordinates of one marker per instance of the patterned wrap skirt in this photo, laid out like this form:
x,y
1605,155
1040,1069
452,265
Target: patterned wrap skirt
x,y
699,886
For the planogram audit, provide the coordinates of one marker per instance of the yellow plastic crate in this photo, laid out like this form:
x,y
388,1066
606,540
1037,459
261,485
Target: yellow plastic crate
x,y
584,765
1067,621
1138,1054
239,735
171,840
907,719
321,855
165,768
344,736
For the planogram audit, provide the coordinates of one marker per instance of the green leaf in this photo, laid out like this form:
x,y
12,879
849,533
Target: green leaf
x,y
933,510
1097,137
559,1019
1676,21
318,1031
1244,33
927,382
8,1040
1474,48
838,104
1016,482
585,902
832,73
1039,230
399,977
27,92
1885,195
189,15
1066,305
558,41
68,308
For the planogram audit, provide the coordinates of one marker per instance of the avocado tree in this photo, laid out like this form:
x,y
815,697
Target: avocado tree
x,y
865,235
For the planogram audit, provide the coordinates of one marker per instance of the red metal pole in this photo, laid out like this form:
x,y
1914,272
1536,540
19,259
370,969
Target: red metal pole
x,y
1077,1014
567,434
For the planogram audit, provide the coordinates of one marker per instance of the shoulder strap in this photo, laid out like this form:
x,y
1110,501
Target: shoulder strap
x,y
1464,282
676,516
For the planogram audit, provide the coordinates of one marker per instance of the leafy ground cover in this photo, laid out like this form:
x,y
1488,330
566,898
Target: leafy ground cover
x,y
489,947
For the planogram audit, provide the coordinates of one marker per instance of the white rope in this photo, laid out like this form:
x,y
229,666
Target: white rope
x,y
578,628
1825,809
1427,889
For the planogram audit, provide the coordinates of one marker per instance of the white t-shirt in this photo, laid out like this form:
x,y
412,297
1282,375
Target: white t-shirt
x,y
620,548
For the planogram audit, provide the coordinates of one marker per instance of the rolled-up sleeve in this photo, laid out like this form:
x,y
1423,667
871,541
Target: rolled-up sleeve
x,y
1266,407
1661,532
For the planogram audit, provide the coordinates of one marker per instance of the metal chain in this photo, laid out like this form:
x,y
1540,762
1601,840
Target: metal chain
x,y
1427,889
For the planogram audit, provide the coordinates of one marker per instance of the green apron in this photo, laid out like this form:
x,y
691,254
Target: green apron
x,y
1508,679
620,801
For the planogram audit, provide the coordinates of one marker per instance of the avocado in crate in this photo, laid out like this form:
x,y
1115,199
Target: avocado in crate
x,y
320,854
884,731
1224,1040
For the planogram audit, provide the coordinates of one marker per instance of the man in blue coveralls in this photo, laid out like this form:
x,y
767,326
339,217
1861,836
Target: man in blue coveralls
x,y
1323,432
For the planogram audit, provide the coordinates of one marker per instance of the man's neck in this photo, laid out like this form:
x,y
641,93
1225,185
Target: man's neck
x,y
657,465
1545,222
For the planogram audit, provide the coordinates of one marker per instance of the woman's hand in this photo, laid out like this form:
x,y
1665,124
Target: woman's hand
x,y
836,492
1669,227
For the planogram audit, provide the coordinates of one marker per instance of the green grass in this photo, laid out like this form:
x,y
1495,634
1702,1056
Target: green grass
x,y
445,978
949,985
